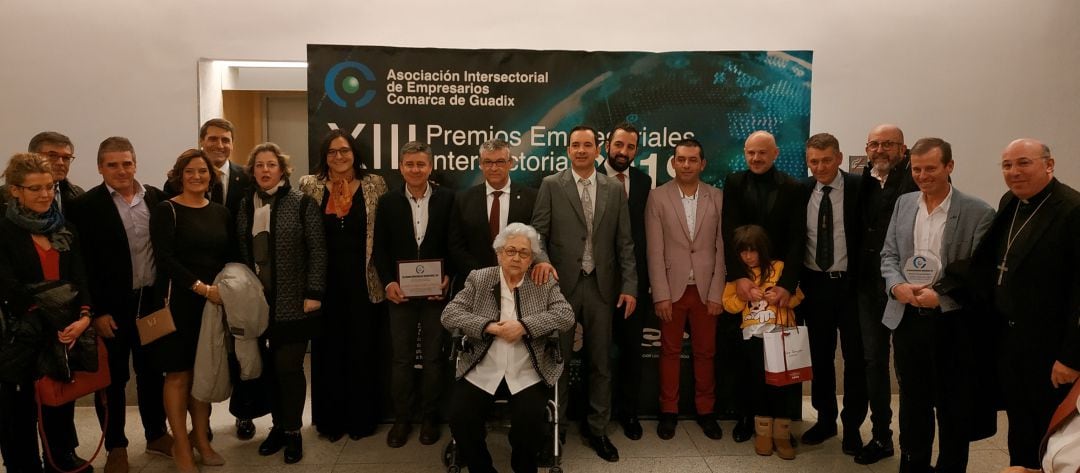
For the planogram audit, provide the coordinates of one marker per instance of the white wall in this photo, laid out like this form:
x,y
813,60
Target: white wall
x,y
977,73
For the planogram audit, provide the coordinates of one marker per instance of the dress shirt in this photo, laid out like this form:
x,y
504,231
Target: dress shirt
x,y
224,181
930,226
419,212
592,188
689,205
881,177
505,360
836,196
504,202
136,218
626,176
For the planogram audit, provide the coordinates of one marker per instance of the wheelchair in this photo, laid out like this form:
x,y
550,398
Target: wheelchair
x,y
461,344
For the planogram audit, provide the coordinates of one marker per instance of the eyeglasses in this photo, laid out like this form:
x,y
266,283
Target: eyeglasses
x,y
38,188
883,145
53,155
497,163
512,252
343,152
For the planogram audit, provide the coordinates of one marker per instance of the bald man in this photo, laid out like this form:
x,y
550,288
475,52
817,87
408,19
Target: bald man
x,y
1027,270
765,196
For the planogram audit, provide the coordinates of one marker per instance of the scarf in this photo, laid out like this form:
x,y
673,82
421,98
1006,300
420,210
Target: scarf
x,y
50,223
340,198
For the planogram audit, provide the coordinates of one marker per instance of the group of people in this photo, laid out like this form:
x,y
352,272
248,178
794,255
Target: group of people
x,y
895,257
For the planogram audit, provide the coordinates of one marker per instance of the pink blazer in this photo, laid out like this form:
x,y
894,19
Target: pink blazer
x,y
672,250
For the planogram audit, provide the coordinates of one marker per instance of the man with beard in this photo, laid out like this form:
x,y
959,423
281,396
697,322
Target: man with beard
x,y
885,178
622,146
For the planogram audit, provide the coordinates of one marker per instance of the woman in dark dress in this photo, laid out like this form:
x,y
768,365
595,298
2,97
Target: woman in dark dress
x,y
344,387
281,240
191,238
35,246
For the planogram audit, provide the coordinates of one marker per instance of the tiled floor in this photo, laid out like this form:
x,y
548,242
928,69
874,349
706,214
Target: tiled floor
x,y
689,452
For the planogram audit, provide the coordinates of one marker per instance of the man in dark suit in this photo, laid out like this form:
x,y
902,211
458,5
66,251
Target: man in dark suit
x,y
412,223
484,210
934,230
765,196
832,232
583,220
622,145
113,220
59,150
1027,267
886,177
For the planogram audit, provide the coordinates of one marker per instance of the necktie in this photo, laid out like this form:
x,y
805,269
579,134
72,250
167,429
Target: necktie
x,y
493,218
622,182
587,206
824,258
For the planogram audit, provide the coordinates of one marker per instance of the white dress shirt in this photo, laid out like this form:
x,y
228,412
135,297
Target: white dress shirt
x,y
504,202
613,173
836,196
419,209
224,181
136,219
689,205
930,226
505,360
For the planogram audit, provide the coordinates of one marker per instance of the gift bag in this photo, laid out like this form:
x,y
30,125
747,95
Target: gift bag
x,y
787,356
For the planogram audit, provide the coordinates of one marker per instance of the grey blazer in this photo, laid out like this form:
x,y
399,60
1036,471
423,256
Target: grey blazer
x,y
541,310
968,220
560,219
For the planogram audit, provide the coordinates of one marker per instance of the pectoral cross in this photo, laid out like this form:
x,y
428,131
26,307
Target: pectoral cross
x,y
1001,271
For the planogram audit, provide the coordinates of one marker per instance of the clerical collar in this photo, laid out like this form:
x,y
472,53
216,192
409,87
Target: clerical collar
x,y
1038,198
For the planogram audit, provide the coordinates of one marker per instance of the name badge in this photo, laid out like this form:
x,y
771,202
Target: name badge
x,y
420,278
922,270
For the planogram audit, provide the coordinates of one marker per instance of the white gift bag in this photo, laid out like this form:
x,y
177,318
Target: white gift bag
x,y
787,356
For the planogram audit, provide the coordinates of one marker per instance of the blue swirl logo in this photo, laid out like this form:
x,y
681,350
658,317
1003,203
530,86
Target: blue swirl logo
x,y
349,82
919,262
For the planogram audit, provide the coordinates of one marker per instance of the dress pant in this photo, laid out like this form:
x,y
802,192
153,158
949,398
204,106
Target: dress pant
x,y
626,333
18,432
830,308
690,308
284,375
404,319
763,399
933,354
876,338
125,349
345,368
1025,365
592,312
468,413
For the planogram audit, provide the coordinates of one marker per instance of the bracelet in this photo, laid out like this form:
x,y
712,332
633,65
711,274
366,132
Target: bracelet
x,y
195,287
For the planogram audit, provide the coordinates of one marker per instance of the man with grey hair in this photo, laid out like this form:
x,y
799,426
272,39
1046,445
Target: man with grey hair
x,y
60,151
482,211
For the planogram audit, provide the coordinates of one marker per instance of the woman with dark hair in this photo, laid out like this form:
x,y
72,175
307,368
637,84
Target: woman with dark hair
x,y
344,392
36,245
281,240
192,242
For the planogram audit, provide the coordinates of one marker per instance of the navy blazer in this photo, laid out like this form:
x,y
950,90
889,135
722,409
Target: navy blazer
x,y
470,237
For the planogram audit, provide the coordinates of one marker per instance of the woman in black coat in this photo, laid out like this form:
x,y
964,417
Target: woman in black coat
x,y
281,240
35,246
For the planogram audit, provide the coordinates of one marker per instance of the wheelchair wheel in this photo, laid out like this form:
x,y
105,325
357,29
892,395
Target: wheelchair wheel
x,y
555,469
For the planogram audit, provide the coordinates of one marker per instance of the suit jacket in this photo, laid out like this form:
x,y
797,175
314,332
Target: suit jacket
x,y
560,220
541,310
1043,261
239,186
108,266
852,217
470,237
783,216
673,251
395,237
640,185
967,221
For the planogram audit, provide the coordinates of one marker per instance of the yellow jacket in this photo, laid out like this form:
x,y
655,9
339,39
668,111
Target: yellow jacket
x,y
761,312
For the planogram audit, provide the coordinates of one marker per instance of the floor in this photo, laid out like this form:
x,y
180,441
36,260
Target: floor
x,y
689,452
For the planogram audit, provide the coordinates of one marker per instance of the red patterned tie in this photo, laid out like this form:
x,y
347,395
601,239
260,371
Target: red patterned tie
x,y
622,180
493,218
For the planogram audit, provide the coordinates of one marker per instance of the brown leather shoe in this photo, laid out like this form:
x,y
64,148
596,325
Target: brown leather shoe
x,y
763,435
162,446
117,461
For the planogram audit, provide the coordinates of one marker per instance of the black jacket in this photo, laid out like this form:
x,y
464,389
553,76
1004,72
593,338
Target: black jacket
x,y
470,238
782,215
640,185
395,238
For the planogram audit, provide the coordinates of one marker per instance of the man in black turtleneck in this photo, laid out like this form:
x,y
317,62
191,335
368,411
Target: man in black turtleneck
x,y
767,197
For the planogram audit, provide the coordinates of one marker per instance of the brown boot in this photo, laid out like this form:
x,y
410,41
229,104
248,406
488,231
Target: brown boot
x,y
117,461
782,439
763,440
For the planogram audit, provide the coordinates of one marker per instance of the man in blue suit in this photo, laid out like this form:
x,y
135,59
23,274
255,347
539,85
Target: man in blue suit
x,y
930,239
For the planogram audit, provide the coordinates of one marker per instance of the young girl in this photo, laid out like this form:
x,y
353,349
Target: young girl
x,y
772,421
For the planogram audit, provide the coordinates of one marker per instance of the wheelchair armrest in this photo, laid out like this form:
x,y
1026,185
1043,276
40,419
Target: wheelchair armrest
x,y
459,342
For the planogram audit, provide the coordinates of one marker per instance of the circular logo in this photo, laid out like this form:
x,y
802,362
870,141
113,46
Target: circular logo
x,y
348,75
419,269
919,262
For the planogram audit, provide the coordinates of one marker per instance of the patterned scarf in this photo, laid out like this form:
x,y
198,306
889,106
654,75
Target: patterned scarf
x,y
340,198
50,223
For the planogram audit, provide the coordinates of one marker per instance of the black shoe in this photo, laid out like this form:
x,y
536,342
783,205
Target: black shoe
x,y
908,465
744,429
294,447
361,432
631,428
331,437
852,443
666,428
819,433
274,442
874,452
429,432
67,461
709,425
601,444
245,429
399,434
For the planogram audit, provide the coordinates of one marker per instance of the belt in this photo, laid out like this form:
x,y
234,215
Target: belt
x,y
924,311
827,274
